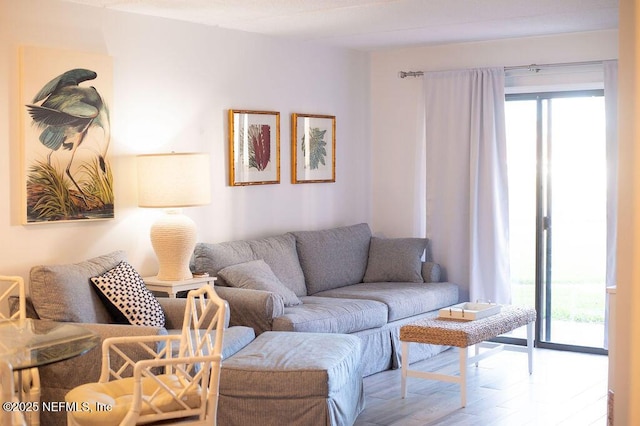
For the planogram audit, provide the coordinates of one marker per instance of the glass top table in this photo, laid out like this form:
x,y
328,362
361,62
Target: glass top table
x,y
30,343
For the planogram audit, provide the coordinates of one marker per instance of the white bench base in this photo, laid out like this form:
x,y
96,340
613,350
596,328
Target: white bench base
x,y
464,362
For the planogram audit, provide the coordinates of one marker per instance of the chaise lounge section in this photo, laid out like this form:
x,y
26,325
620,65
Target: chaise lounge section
x,y
293,379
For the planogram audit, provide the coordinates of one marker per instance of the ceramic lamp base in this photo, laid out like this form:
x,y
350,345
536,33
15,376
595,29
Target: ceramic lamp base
x,y
173,237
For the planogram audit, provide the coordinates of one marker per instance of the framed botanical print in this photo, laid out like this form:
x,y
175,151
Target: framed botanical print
x,y
254,147
66,132
313,148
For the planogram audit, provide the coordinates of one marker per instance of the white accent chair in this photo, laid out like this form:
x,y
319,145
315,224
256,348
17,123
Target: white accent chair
x,y
167,387
9,417
29,379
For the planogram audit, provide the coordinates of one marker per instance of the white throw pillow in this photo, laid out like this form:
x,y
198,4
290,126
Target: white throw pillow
x,y
124,289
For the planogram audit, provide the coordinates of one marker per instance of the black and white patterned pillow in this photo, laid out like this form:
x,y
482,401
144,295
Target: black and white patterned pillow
x,y
124,289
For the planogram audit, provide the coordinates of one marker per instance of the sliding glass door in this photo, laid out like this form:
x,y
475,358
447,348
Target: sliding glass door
x,y
557,190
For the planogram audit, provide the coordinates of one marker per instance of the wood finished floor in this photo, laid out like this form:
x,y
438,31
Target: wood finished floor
x,y
565,389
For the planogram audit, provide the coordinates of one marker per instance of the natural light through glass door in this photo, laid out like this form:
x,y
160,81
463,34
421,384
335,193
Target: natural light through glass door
x,y
557,201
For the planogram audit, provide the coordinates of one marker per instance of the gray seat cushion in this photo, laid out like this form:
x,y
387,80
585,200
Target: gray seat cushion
x,y
330,315
405,301
278,252
65,292
333,258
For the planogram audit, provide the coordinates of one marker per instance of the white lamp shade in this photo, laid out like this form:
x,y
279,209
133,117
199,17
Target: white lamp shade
x,y
173,180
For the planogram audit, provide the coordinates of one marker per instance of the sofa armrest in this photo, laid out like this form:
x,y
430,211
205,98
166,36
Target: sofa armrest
x,y
431,272
174,309
252,308
173,312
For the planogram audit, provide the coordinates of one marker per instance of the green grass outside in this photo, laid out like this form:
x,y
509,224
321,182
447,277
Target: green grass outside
x,y
577,302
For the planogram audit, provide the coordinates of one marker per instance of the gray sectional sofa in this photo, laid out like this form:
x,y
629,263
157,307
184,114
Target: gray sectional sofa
x,y
332,284
340,280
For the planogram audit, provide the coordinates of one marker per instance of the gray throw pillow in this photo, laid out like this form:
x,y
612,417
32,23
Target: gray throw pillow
x,y
257,275
278,252
395,260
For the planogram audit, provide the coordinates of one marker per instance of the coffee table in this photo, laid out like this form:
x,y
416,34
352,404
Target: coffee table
x,y
462,334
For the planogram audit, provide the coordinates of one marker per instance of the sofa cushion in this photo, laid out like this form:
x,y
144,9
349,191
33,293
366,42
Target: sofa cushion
x,y
333,258
278,252
123,291
330,315
257,275
65,293
404,300
395,260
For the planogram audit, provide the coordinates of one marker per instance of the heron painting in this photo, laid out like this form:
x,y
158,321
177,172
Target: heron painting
x,y
68,173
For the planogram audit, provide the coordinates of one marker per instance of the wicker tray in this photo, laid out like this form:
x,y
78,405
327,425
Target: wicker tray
x,y
469,311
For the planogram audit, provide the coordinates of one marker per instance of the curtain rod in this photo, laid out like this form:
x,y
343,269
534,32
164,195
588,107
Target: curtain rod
x,y
531,67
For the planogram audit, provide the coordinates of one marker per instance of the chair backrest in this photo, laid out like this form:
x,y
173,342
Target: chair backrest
x,y
202,335
15,284
30,380
6,380
8,417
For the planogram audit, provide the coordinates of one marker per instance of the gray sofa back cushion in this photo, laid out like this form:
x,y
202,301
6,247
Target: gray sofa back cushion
x,y
278,252
333,258
65,293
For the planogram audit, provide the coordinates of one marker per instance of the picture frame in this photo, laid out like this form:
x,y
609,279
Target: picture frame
x,y
66,164
318,163
254,147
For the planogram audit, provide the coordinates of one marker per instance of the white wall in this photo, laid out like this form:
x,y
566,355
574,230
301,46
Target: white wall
x,y
173,85
398,154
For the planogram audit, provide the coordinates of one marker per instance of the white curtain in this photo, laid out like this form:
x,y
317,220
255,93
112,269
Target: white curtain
x,y
611,111
467,203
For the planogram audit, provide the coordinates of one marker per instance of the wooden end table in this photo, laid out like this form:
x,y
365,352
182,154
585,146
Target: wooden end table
x,y
171,288
462,334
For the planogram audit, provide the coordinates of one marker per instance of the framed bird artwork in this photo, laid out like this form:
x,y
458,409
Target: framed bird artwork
x,y
66,133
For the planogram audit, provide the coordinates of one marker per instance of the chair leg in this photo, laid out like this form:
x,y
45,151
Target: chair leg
x,y
31,392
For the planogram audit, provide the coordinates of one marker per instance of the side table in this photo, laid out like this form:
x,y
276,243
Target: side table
x,y
173,287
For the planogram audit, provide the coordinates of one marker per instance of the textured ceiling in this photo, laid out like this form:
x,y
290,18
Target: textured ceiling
x,y
378,24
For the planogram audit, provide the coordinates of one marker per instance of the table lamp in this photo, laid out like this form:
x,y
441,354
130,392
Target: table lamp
x,y
173,181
